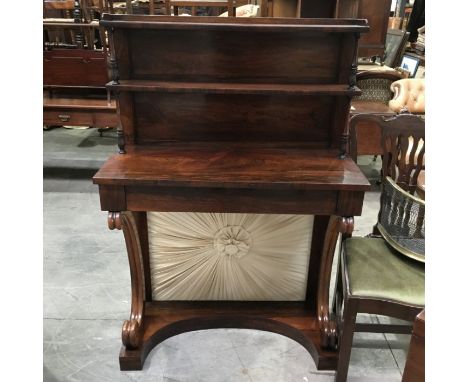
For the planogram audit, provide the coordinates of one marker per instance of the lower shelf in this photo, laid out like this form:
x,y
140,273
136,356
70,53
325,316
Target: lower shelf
x,y
162,320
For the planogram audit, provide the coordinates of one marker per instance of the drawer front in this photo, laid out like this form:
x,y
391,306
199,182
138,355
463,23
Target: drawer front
x,y
67,117
105,118
75,67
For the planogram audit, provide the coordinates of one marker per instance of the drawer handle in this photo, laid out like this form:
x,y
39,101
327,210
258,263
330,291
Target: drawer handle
x,y
64,117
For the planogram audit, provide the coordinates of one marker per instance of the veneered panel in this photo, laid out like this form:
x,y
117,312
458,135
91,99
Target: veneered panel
x,y
231,117
235,56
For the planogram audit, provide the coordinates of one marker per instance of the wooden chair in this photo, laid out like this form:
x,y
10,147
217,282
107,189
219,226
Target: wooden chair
x,y
372,276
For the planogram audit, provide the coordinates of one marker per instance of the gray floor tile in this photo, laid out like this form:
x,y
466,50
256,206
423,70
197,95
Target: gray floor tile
x,y
86,350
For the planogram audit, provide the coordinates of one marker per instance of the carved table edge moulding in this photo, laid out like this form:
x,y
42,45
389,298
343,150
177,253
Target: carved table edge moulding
x,y
334,196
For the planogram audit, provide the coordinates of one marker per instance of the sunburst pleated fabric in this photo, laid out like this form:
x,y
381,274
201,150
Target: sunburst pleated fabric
x,y
224,256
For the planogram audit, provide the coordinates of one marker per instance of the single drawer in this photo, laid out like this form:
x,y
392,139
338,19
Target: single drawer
x,y
107,118
68,117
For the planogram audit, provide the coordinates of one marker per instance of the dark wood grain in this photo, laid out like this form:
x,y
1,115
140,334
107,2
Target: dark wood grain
x,y
233,88
265,23
370,107
366,134
232,166
79,103
112,198
75,67
171,199
80,111
252,118
243,56
377,14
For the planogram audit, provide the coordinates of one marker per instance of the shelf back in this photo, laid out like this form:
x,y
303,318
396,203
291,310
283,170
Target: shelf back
x,y
197,51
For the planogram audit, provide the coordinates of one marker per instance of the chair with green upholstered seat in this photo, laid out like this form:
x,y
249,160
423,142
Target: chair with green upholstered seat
x,y
384,274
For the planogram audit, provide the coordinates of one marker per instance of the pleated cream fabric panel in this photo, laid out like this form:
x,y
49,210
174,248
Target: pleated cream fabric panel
x,y
221,256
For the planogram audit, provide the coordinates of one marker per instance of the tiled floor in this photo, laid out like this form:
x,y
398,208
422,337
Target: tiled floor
x,y
87,292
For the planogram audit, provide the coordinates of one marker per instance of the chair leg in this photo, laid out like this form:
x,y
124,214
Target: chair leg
x,y
346,339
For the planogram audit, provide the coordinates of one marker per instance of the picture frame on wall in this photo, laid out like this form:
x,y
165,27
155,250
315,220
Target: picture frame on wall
x,y
394,47
410,64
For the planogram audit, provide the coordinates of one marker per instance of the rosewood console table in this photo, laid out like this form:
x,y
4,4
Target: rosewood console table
x,y
231,116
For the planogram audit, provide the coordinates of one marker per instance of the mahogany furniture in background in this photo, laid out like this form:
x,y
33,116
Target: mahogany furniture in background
x,y
229,4
415,361
238,115
376,12
75,71
376,93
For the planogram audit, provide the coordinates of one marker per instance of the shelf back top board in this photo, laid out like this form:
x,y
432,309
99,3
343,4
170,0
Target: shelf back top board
x,y
233,79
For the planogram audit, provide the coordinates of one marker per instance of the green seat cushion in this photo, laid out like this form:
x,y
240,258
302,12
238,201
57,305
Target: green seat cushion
x,y
376,270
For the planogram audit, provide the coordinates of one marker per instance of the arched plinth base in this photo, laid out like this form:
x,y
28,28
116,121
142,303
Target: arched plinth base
x,y
296,320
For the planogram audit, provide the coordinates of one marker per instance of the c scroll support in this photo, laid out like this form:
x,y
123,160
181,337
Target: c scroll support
x,y
327,322
132,330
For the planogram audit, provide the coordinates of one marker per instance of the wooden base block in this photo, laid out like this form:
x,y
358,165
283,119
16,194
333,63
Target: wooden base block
x,y
296,320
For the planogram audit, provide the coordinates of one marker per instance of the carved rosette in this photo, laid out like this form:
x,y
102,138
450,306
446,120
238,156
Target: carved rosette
x,y
327,322
132,330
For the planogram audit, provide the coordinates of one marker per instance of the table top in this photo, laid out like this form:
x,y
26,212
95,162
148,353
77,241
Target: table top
x,y
233,165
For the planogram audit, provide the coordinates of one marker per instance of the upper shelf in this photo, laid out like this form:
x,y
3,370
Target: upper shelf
x,y
233,88
233,23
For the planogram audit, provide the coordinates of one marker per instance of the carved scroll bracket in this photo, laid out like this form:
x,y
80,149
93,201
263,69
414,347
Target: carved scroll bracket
x,y
114,221
132,330
327,323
